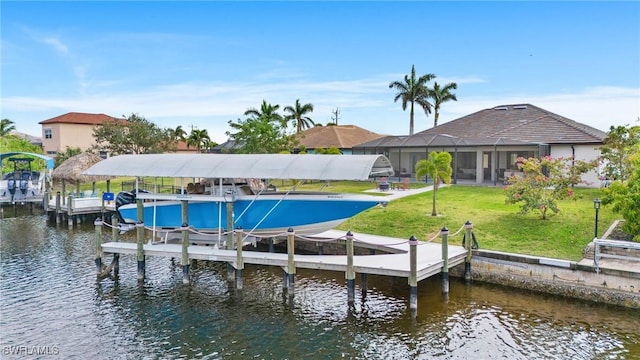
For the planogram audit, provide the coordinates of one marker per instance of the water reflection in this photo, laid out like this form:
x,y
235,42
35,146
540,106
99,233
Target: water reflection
x,y
49,296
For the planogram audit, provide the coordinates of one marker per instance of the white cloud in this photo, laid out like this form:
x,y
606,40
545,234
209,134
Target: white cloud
x,y
364,102
56,44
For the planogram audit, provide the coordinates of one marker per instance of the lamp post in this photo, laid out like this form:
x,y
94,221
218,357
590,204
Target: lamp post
x,y
596,206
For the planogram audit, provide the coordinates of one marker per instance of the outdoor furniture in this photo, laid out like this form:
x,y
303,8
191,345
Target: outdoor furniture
x,y
383,184
404,185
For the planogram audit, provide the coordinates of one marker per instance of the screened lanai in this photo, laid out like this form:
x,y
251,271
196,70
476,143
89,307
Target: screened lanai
x,y
474,160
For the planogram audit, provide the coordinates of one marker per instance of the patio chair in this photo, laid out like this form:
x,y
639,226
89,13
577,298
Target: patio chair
x,y
383,184
404,185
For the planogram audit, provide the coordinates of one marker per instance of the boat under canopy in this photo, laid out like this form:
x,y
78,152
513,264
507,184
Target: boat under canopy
x,y
259,166
258,211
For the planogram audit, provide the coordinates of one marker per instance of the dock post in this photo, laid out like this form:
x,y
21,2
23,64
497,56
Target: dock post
x,y
239,260
291,265
445,261
70,211
350,275
413,274
363,285
320,248
229,240
468,244
272,247
140,249
184,260
58,207
98,226
114,238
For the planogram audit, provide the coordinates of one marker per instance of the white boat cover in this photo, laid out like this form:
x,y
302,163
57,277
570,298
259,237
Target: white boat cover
x,y
260,166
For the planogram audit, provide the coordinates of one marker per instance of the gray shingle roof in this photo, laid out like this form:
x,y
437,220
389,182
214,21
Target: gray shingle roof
x,y
523,122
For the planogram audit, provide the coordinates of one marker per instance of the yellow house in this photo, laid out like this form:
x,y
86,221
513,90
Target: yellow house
x,y
75,130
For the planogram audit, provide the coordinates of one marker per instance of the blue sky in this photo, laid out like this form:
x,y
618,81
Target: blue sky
x,y
203,63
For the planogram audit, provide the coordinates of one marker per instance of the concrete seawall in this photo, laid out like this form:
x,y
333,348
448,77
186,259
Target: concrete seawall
x,y
559,277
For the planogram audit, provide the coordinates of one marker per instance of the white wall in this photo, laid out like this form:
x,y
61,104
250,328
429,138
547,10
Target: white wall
x,y
584,153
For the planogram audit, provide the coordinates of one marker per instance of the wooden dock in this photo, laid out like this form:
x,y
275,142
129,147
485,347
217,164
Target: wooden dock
x,y
428,256
74,209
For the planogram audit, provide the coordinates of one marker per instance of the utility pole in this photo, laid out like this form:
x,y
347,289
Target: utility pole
x,y
335,113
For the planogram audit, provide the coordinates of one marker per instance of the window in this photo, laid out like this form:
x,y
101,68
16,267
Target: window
x,y
48,133
512,157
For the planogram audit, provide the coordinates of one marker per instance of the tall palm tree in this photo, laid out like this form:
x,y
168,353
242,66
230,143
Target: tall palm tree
x,y
6,126
439,96
412,91
179,133
438,167
268,111
198,138
297,113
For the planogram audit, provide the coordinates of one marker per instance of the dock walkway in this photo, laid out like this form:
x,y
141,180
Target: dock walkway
x,y
428,256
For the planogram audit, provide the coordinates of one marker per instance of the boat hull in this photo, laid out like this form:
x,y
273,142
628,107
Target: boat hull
x,y
266,215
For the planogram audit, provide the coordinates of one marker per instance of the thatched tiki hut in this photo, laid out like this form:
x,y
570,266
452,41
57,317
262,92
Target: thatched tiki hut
x,y
72,168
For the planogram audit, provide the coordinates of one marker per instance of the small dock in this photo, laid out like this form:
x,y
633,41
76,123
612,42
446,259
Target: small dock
x,y
387,256
75,209
429,256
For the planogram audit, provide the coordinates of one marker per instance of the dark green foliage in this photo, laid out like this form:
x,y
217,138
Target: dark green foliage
x,y
136,135
68,152
411,91
438,167
615,151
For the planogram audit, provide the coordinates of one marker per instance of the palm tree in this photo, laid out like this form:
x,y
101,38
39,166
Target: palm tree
x,y
198,138
439,96
412,91
6,126
268,111
438,167
297,113
179,134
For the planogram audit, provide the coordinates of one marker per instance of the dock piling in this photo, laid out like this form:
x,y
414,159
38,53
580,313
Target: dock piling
x,y
229,240
98,227
413,276
445,261
468,245
350,274
291,265
239,260
58,208
140,250
184,260
363,285
114,238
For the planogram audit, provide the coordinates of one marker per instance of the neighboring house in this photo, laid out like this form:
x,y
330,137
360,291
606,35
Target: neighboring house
x,y
485,145
183,148
343,137
227,147
34,140
74,130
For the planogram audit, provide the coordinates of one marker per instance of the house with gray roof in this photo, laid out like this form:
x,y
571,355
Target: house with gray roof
x,y
485,145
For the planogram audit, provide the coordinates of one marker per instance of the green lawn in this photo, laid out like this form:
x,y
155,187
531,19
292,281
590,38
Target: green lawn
x,y
497,226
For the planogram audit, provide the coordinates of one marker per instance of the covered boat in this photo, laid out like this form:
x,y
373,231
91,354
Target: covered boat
x,y
223,191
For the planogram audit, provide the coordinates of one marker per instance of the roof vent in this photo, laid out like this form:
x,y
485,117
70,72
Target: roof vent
x,y
520,107
501,108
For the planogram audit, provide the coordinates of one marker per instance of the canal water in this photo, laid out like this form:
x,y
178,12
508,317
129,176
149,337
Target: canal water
x,y
53,307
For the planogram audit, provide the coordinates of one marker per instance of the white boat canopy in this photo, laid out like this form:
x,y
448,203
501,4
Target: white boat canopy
x,y
260,166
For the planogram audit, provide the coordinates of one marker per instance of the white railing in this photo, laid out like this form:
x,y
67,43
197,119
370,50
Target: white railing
x,y
597,254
